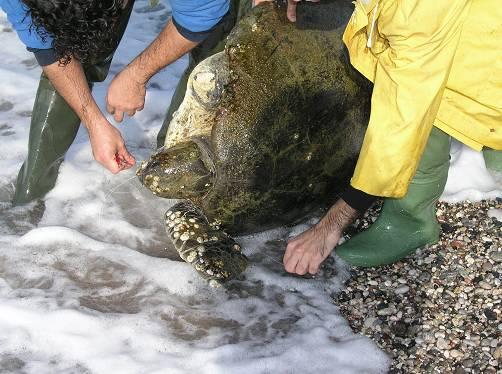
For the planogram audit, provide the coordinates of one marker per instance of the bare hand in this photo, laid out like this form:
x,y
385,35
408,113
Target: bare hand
x,y
126,94
306,252
108,148
291,11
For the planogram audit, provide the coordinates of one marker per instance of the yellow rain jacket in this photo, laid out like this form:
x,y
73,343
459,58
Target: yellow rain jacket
x,y
432,63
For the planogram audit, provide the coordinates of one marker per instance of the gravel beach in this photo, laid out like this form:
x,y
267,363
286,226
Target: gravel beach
x,y
439,310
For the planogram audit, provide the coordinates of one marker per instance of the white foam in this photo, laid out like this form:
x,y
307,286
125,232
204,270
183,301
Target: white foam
x,y
468,178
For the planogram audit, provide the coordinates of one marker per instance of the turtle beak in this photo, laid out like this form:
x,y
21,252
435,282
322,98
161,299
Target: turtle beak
x,y
178,172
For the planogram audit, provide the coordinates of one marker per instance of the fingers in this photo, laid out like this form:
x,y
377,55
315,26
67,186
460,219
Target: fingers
x,y
291,257
298,261
258,2
291,11
109,108
108,148
303,265
127,159
305,252
118,115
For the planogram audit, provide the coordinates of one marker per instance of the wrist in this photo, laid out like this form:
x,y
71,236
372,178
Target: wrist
x,y
338,218
138,73
96,123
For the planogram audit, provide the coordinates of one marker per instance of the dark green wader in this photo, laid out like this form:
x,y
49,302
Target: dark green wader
x,y
213,44
54,126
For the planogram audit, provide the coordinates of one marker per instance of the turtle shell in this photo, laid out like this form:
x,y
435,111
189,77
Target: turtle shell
x,y
291,119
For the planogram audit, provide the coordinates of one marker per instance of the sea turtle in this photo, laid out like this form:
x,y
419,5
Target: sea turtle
x,y
269,130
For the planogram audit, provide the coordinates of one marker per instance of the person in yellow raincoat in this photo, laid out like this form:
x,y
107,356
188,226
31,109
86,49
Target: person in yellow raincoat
x,y
437,73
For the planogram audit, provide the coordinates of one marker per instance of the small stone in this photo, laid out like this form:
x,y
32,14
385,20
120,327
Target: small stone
x,y
442,343
369,322
399,329
484,285
447,228
497,355
386,311
468,363
487,266
455,353
402,289
424,277
490,314
459,370
457,244
496,256
486,342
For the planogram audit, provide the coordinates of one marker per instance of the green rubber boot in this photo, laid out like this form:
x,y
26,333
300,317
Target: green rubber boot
x,y
214,43
54,126
410,222
493,159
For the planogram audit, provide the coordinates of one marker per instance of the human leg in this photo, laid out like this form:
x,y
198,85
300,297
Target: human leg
x,y
54,126
410,222
493,159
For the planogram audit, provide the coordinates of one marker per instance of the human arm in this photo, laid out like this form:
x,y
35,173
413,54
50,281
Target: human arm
x,y
306,252
108,147
127,91
192,22
70,82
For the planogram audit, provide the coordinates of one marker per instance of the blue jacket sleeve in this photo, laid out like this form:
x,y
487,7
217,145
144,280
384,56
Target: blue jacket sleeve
x,y
18,16
194,19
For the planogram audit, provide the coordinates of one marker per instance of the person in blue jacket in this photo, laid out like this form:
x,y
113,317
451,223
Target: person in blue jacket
x,y
74,42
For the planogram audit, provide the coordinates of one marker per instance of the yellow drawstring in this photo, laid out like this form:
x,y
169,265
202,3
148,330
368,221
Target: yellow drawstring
x,y
369,44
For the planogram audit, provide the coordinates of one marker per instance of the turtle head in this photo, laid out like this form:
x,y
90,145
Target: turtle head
x,y
179,172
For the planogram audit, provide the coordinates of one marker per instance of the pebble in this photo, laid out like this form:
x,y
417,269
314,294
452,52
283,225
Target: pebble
x,y
487,266
386,311
497,354
490,314
402,289
456,353
496,256
485,285
442,344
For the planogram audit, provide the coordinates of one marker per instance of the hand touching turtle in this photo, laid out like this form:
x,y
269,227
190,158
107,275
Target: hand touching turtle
x,y
291,12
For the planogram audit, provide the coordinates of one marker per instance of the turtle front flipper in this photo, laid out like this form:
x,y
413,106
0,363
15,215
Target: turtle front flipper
x,y
215,255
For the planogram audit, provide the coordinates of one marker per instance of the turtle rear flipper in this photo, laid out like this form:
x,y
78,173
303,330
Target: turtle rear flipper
x,y
215,255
